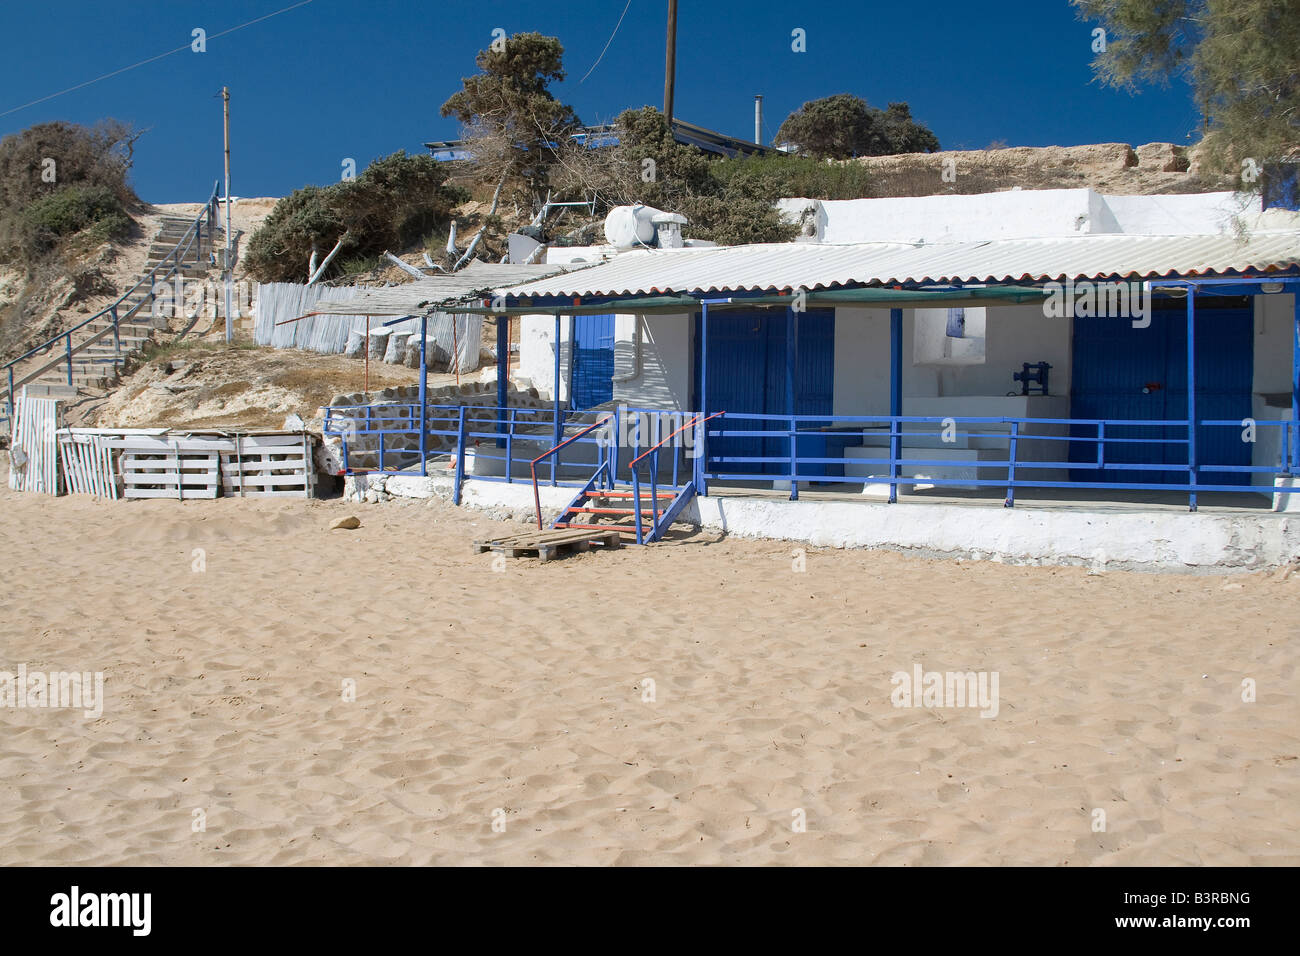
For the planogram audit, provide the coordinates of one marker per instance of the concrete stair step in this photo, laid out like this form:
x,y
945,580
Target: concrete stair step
x,y
50,391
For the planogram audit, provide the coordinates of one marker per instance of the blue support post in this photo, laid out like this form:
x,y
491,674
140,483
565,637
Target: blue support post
x,y
460,457
895,398
11,398
1294,427
704,396
503,373
1191,395
510,449
424,386
69,346
557,424
616,430
791,365
1011,466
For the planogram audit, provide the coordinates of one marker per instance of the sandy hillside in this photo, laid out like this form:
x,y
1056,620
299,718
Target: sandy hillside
x,y
521,691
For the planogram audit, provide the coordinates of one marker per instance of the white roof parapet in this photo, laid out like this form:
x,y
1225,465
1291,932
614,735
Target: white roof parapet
x,y
811,266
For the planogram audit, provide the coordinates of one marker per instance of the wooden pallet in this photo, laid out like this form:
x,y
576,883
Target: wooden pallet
x,y
178,474
547,544
262,466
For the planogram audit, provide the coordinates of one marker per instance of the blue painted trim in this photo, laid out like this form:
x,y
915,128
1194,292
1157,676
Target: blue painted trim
x,y
460,457
1191,393
895,396
791,367
558,421
1294,431
424,393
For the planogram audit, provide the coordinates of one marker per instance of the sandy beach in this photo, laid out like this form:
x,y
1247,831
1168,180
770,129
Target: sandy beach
x,y
501,715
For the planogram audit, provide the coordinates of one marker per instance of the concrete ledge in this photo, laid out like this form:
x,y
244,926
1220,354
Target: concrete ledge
x,y
1142,540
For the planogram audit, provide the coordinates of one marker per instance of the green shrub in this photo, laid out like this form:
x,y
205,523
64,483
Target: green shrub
x,y
777,176
58,180
396,201
71,210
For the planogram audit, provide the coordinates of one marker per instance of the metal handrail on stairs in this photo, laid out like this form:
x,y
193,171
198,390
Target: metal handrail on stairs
x,y
532,465
653,454
175,257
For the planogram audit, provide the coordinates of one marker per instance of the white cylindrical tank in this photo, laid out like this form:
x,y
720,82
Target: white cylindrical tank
x,y
630,226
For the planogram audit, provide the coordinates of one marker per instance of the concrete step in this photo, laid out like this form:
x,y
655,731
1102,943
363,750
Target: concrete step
x,y
127,339
78,381
50,391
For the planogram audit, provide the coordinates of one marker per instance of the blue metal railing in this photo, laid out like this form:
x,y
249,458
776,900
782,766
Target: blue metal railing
x,y
1094,443
553,453
749,448
661,519
386,440
193,238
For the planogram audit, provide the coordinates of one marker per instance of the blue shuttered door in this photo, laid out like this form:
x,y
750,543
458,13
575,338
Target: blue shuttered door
x,y
1121,372
747,373
593,360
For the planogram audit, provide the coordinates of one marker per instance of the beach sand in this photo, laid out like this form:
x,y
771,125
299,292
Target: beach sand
x,y
516,697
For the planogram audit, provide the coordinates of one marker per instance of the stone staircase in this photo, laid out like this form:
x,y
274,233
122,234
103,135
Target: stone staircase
x,y
98,365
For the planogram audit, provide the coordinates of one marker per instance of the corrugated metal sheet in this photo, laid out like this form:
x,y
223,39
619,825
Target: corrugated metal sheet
x,y
421,295
820,266
281,305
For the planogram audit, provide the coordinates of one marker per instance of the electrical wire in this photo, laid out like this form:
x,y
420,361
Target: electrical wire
x,y
607,43
153,59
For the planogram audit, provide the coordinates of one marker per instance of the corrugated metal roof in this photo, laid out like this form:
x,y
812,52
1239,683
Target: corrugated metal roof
x,y
422,295
820,266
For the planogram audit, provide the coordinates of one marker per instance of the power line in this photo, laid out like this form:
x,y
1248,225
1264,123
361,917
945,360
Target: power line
x,y
153,59
607,43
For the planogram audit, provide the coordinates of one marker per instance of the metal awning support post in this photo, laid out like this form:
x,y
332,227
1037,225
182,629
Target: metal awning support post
x,y
557,421
791,366
1294,444
424,389
895,398
1191,395
703,447
503,373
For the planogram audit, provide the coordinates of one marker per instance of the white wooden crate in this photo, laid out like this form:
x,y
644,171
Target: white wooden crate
x,y
174,473
261,466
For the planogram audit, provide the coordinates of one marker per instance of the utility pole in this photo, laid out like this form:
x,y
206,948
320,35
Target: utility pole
x,y
670,63
228,273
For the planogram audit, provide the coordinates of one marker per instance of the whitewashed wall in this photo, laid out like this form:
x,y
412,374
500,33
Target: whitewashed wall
x,y
664,380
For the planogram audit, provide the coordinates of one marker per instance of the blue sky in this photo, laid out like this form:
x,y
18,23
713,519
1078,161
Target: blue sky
x,y
362,78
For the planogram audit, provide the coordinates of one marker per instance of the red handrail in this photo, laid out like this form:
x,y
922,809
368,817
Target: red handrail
x,y
532,465
694,421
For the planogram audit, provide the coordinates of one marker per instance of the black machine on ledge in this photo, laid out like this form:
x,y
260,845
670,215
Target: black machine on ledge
x,y
1032,378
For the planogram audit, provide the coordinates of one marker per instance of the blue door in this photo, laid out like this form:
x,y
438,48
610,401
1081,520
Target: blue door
x,y
747,373
1140,374
593,360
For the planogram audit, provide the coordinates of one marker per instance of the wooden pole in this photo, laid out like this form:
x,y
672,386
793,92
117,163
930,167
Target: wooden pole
x,y
670,63
230,320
